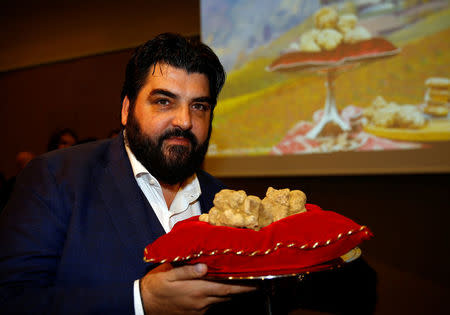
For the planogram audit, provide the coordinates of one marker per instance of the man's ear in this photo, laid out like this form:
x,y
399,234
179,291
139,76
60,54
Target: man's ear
x,y
125,110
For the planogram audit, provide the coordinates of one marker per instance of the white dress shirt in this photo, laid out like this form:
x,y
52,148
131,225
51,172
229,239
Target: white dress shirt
x,y
184,206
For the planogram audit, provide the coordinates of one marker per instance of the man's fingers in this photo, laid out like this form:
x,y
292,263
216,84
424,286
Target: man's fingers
x,y
216,299
223,290
189,272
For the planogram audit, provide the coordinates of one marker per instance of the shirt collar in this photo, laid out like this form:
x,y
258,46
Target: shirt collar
x,y
138,168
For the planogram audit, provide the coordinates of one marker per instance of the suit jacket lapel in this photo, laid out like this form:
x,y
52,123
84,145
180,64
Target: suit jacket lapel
x,y
129,209
130,212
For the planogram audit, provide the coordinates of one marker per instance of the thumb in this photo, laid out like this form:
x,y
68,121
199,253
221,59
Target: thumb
x,y
188,272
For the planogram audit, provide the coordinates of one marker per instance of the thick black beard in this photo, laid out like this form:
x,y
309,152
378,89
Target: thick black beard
x,y
168,164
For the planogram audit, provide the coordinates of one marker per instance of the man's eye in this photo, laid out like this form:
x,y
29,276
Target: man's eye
x,y
162,102
200,106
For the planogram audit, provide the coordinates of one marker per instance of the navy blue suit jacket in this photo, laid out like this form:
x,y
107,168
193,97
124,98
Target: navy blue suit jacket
x,y
73,233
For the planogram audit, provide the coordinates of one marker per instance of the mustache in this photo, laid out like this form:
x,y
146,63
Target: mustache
x,y
179,133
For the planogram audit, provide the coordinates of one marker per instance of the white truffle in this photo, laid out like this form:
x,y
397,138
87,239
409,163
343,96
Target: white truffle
x,y
392,115
358,34
347,22
326,17
308,41
236,209
329,39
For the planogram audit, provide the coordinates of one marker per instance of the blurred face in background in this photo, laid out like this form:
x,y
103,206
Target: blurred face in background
x,y
66,140
23,158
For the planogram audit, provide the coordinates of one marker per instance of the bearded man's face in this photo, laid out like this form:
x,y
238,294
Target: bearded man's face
x,y
169,163
169,126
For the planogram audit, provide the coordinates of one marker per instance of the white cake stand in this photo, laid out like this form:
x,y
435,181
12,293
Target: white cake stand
x,y
331,63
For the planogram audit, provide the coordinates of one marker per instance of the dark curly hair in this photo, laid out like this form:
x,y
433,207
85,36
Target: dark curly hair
x,y
179,52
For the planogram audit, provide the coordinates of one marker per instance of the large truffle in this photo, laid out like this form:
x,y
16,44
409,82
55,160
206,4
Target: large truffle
x,y
236,209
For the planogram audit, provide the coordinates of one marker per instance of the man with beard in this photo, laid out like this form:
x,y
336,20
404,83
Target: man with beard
x,y
73,234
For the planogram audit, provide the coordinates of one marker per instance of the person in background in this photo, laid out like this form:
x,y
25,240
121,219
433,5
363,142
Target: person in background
x,y
114,133
73,234
86,140
22,159
62,139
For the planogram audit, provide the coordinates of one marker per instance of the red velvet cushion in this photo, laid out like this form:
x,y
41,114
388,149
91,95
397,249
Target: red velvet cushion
x,y
297,242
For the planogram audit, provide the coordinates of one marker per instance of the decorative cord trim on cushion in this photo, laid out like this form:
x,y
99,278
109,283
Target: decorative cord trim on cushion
x,y
305,246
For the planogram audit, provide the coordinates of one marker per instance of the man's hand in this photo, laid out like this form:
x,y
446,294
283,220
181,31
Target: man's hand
x,y
180,291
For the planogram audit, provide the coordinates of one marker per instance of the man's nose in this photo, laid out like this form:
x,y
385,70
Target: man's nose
x,y
182,117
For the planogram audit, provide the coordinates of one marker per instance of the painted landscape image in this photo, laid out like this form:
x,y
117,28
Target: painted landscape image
x,y
310,76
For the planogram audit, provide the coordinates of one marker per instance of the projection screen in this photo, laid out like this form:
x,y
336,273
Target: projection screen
x,y
330,87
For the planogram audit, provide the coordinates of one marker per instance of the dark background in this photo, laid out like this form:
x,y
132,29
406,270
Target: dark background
x,y
409,214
